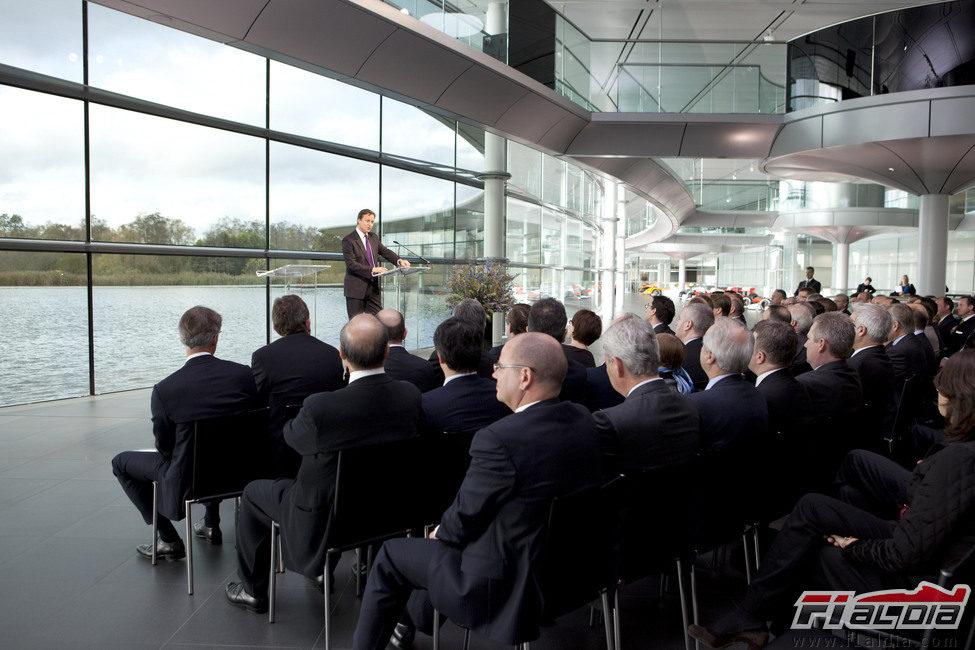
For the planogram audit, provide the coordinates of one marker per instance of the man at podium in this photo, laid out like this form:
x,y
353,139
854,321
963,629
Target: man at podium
x,y
362,249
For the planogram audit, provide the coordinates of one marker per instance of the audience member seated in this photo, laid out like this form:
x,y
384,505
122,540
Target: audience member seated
x,y
814,303
802,318
548,317
866,287
660,314
905,351
961,333
702,299
842,302
789,407
779,313
694,321
481,567
374,408
473,311
400,364
827,305
290,369
466,402
655,425
672,355
828,543
722,305
205,387
737,307
515,323
599,391
931,306
871,327
945,321
778,297
584,330
731,410
803,295
920,323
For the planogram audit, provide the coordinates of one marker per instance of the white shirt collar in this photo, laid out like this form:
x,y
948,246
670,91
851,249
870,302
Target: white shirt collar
x,y
765,374
693,339
898,339
362,235
967,317
449,379
855,352
645,381
919,331
524,406
716,380
198,354
359,374
396,345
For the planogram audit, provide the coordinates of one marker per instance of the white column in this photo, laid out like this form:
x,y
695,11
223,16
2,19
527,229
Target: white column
x,y
932,245
494,179
496,19
682,273
841,271
608,273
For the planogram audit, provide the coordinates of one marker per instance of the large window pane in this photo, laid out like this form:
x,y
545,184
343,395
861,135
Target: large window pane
x,y
469,229
43,36
139,58
525,167
308,104
162,181
44,308
470,147
413,133
417,211
553,244
138,301
523,233
316,196
422,299
321,291
42,179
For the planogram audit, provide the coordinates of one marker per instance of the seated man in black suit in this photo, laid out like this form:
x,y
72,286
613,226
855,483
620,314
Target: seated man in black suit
x,y
373,408
289,370
778,313
655,425
694,321
789,407
548,317
905,351
737,307
515,323
731,410
481,566
465,402
842,303
964,328
473,312
660,314
205,387
802,318
944,322
871,327
778,297
400,364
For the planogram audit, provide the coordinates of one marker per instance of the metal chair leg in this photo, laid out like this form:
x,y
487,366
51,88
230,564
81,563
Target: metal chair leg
x,y
694,612
189,546
748,558
683,604
236,517
272,584
612,641
758,559
436,630
155,521
467,639
327,579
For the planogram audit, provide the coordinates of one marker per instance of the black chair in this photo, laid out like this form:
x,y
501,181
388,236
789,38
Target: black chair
x,y
377,492
905,415
447,459
225,456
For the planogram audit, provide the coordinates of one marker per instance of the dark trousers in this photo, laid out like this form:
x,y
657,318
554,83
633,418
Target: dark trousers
x,y
873,483
397,581
800,559
135,471
371,303
260,504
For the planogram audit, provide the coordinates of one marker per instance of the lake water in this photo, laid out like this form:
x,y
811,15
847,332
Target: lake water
x,y
44,347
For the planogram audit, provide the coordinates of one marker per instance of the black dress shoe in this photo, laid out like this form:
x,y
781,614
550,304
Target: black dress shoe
x,y
164,550
403,636
237,596
754,639
212,535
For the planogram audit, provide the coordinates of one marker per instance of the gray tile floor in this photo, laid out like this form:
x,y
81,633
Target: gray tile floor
x,y
70,576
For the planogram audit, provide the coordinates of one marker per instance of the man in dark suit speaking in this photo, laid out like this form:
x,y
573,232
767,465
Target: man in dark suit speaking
x,y
481,566
362,249
205,387
374,408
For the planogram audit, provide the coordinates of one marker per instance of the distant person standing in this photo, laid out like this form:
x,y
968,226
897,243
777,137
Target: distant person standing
x,y
866,286
362,249
809,282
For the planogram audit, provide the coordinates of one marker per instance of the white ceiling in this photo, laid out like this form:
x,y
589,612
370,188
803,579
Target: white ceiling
x,y
715,19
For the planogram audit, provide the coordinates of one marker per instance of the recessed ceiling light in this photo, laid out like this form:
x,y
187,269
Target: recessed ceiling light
x,y
890,169
405,11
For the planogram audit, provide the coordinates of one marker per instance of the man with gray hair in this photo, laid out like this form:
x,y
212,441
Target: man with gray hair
x,y
905,351
802,318
205,387
695,319
842,303
731,410
871,326
655,425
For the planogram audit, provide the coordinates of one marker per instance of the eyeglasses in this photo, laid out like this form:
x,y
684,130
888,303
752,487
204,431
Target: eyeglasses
x,y
499,366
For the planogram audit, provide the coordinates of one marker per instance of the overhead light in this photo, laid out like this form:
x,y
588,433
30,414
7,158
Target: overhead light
x,y
405,11
734,177
890,169
768,36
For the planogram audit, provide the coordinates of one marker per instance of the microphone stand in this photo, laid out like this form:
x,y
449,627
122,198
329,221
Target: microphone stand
x,y
420,257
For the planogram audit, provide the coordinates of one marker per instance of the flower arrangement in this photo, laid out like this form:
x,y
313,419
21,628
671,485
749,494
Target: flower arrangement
x,y
488,283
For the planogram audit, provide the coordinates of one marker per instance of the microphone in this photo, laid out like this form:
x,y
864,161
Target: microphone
x,y
420,257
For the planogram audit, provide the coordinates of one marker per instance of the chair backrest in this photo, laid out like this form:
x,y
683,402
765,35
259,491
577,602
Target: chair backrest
x,y
227,453
447,460
378,492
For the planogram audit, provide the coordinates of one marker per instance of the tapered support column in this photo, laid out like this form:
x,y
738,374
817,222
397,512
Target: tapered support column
x,y
608,274
494,209
682,273
842,269
932,245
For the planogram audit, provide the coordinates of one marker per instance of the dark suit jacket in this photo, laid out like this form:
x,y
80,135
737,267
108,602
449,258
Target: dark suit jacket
x,y
834,389
943,328
654,426
692,364
961,333
661,328
286,372
578,354
930,356
799,363
358,270
575,386
812,284
877,382
487,576
907,357
732,411
789,407
464,404
373,409
404,366
865,287
485,368
600,393
205,387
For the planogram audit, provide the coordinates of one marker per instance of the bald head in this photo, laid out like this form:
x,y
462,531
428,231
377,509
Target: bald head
x,y
541,352
395,324
363,342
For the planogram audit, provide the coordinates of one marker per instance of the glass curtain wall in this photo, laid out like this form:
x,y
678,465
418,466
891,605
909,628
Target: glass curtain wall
x,y
157,170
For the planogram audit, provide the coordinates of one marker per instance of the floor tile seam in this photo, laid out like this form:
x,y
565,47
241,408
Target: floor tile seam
x,y
196,610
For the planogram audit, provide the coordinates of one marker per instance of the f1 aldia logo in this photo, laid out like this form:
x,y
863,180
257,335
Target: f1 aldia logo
x,y
928,606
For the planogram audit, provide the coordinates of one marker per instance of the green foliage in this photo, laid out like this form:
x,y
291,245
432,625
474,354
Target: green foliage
x,y
489,284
